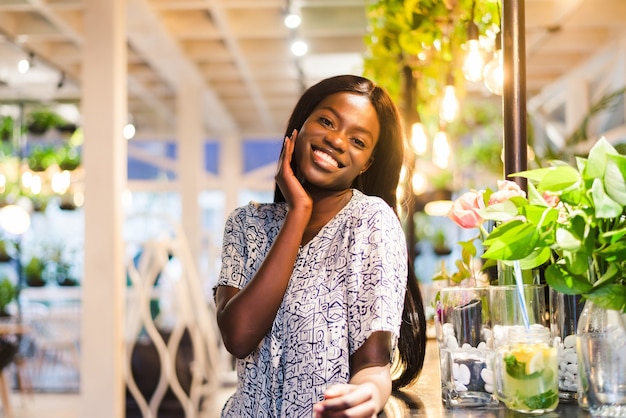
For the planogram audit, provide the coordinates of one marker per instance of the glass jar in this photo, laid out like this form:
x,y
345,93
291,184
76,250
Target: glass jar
x,y
601,347
526,371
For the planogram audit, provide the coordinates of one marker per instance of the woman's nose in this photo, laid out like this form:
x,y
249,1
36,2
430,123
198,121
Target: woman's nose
x,y
336,140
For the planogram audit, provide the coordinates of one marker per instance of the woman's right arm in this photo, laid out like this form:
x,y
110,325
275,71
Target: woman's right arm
x,y
245,316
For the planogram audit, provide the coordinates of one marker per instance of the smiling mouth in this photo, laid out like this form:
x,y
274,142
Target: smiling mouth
x,y
327,159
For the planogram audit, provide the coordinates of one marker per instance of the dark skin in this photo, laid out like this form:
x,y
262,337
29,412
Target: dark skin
x,y
335,144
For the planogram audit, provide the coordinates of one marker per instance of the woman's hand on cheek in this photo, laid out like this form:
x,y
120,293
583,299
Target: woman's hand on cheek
x,y
346,400
292,190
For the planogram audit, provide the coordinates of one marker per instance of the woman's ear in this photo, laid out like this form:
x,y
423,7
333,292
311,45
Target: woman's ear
x,y
367,165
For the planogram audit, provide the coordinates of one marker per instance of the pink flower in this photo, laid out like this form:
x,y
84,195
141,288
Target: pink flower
x,y
551,199
506,190
464,210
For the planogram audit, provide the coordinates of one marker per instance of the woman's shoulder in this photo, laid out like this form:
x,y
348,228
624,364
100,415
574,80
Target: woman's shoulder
x,y
258,211
370,204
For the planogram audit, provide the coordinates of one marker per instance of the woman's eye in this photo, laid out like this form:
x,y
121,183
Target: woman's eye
x,y
358,142
325,121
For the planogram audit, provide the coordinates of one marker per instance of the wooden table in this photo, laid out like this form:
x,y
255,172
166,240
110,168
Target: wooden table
x,y
423,398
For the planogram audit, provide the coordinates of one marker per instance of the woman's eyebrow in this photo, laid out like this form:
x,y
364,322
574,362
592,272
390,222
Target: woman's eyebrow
x,y
358,128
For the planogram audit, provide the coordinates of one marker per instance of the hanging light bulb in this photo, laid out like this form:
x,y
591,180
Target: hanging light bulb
x,y
474,62
14,219
441,149
419,140
449,104
293,18
493,74
299,48
419,183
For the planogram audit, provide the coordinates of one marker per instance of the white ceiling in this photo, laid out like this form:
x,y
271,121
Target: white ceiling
x,y
240,50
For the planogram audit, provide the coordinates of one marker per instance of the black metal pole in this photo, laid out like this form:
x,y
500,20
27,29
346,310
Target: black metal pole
x,y
514,89
408,104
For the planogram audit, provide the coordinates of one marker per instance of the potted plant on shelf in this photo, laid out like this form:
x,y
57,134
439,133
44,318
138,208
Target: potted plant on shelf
x,y
6,128
34,272
6,250
8,292
68,158
62,267
42,119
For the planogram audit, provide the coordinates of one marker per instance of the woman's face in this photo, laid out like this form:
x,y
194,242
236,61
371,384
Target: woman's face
x,y
337,141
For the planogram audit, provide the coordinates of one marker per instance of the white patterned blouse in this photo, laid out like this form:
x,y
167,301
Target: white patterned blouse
x,y
347,282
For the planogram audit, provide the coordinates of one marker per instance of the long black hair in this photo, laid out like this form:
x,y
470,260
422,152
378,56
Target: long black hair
x,y
381,179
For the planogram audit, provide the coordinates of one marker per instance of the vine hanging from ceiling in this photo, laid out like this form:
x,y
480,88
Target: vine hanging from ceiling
x,y
429,37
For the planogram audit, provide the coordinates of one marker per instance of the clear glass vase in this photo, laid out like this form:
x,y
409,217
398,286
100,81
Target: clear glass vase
x,y
601,350
565,311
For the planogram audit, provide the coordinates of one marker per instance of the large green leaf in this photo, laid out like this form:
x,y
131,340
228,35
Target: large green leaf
x,y
605,206
611,296
615,178
513,240
558,278
567,241
596,162
558,178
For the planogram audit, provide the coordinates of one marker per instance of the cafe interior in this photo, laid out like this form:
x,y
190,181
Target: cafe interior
x,y
132,128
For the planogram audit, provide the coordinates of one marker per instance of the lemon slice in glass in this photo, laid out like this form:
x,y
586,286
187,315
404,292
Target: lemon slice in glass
x,y
536,363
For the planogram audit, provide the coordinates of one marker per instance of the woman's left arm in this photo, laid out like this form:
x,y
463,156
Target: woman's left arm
x,y
370,384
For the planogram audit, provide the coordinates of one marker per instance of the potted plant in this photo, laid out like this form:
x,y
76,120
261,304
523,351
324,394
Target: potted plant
x,y
8,291
6,250
34,272
440,243
40,120
573,223
68,158
6,128
41,157
61,266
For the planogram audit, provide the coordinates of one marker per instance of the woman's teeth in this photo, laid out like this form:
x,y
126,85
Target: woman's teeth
x,y
326,158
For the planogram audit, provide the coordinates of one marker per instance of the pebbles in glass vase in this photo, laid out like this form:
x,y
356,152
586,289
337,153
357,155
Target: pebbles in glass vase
x,y
463,336
564,313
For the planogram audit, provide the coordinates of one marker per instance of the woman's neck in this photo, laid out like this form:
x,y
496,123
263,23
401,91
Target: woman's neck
x,y
326,205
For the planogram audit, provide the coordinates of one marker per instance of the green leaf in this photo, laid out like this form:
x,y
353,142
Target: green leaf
x,y
596,161
611,296
517,369
469,247
511,240
612,272
615,178
576,263
605,206
500,212
558,278
614,252
566,240
558,178
543,400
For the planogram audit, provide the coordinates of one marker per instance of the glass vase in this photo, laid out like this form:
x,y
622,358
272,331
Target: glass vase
x,y
601,348
565,311
464,340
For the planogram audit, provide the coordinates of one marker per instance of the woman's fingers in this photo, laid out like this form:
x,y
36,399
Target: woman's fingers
x,y
346,400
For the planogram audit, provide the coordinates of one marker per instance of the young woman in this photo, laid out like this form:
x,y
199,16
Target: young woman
x,y
313,291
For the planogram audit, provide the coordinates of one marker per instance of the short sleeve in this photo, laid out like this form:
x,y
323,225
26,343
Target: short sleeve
x,y
378,283
234,252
